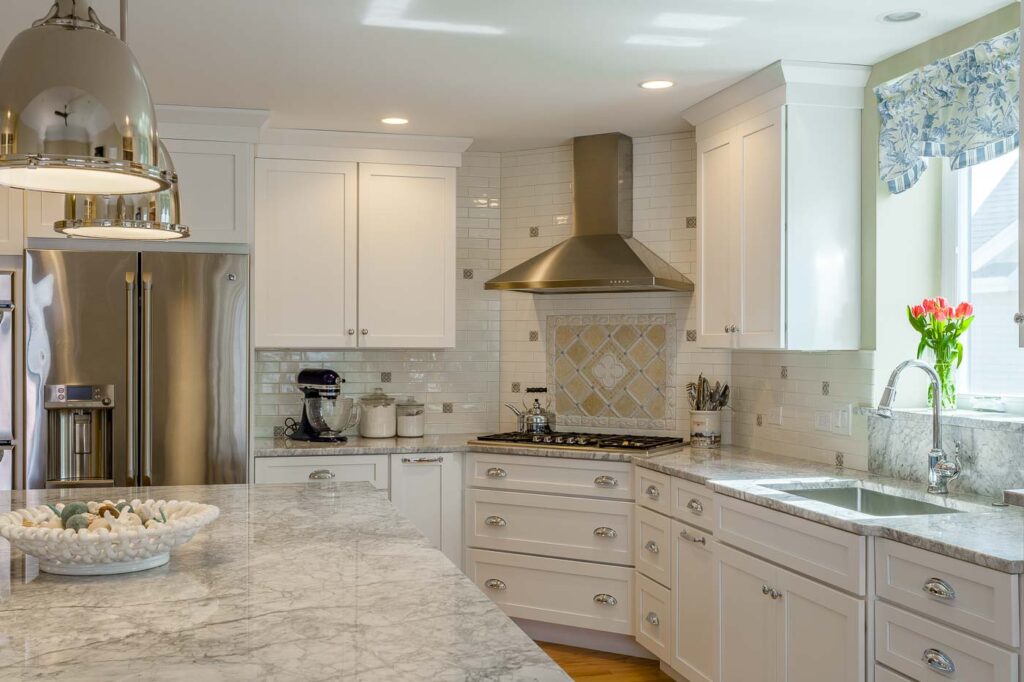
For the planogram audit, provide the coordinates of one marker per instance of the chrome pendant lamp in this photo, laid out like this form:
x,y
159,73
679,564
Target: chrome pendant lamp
x,y
75,111
152,216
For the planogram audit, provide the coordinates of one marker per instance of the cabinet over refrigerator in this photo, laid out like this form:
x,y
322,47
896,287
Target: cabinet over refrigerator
x,y
136,368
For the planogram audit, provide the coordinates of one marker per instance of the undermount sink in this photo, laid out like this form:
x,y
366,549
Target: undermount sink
x,y
870,502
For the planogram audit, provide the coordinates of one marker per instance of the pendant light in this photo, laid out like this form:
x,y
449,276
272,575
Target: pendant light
x,y
75,112
152,216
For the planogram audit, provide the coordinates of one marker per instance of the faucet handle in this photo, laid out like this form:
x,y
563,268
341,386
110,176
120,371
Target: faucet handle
x,y
950,469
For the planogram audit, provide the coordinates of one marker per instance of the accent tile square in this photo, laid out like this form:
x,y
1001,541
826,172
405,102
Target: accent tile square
x,y
784,372
691,222
691,335
535,231
446,408
824,388
534,336
467,273
385,377
516,387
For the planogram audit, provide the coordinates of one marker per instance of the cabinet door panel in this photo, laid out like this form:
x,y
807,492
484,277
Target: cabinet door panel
x,y
762,226
42,210
693,592
426,489
305,254
823,632
717,208
747,618
406,256
214,180
12,221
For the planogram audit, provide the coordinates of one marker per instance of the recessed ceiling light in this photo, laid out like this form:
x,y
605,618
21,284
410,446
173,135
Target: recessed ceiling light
x,y
901,16
394,121
656,85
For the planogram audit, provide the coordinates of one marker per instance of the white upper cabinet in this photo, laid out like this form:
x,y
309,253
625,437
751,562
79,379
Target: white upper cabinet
x,y
778,204
42,210
215,184
406,256
305,254
12,222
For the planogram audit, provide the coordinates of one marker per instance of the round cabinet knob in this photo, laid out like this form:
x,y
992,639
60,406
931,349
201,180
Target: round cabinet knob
x,y
1018,318
695,506
653,492
494,584
653,619
652,547
351,332
726,329
364,332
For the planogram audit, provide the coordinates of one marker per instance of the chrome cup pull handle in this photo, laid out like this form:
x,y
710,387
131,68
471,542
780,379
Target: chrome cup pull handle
x,y
653,492
938,661
937,587
695,506
606,481
605,599
496,521
653,619
321,475
496,472
494,584
606,532
695,539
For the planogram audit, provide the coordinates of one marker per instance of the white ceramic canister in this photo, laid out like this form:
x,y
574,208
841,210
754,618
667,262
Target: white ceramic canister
x,y
705,428
411,422
378,415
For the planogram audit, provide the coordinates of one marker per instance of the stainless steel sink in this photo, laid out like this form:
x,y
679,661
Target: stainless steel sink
x,y
870,502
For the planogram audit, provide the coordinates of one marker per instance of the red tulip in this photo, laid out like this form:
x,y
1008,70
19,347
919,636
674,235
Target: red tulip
x,y
929,305
918,311
941,302
964,309
940,315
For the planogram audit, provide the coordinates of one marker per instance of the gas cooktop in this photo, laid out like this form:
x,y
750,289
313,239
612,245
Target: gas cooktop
x,y
599,441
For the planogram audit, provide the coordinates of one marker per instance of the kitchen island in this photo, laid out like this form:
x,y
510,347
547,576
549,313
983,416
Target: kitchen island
x,y
318,581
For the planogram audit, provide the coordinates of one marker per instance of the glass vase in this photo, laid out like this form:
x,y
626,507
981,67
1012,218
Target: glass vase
x,y
945,367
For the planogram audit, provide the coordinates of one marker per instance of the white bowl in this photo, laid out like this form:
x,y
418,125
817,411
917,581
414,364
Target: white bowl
x,y
105,552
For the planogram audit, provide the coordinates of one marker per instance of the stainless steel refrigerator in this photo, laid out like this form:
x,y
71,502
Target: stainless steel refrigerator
x,y
136,368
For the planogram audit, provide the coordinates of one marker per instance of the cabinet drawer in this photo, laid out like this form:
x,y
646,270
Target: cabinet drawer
x,y
832,556
692,503
566,527
903,640
613,480
372,468
557,591
653,551
971,597
653,490
883,674
653,604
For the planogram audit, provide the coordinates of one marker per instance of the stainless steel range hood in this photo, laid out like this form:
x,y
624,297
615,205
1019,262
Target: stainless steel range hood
x,y
601,256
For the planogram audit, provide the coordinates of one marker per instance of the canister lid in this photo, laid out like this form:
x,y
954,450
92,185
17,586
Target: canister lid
x,y
410,401
377,399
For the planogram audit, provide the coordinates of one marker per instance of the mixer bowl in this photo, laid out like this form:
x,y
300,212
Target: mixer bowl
x,y
332,416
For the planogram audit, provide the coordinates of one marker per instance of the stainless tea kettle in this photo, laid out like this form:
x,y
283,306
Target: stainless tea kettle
x,y
534,418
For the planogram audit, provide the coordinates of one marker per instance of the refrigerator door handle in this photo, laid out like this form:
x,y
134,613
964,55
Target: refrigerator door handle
x,y
129,287
147,378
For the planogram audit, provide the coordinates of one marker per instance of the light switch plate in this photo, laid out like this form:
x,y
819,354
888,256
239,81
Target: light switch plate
x,y
841,419
822,421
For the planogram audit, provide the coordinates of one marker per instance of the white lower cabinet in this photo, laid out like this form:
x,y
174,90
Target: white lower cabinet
x,y
575,593
777,626
12,222
653,605
426,489
694,604
348,468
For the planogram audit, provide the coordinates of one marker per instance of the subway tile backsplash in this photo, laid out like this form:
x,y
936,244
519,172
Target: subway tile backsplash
x,y
459,386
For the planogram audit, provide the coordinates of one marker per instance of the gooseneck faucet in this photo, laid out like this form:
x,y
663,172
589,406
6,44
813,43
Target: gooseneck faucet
x,y
940,470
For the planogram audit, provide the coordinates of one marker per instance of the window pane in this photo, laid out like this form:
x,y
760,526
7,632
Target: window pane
x,y
995,365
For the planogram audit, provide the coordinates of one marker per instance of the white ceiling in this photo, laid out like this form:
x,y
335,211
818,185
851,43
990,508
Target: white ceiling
x,y
513,74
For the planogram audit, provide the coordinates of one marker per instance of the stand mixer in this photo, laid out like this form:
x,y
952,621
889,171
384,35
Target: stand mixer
x,y
321,408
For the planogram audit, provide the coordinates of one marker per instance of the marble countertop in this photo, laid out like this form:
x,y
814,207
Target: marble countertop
x,y
357,445
321,581
979,532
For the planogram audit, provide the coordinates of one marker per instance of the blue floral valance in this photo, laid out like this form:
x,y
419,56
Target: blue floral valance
x,y
963,107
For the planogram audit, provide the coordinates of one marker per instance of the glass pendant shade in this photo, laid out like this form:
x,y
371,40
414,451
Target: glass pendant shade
x,y
75,111
152,216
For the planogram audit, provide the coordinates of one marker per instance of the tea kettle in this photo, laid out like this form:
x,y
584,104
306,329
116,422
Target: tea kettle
x,y
534,418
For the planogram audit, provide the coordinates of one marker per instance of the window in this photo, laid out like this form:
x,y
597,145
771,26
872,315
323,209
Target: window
x,y
980,256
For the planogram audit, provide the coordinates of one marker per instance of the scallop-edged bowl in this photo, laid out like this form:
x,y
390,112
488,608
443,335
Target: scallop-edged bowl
x,y
126,536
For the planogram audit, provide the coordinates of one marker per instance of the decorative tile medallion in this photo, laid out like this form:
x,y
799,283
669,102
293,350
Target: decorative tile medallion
x,y
612,370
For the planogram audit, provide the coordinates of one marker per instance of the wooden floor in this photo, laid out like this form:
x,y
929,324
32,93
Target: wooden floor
x,y
596,666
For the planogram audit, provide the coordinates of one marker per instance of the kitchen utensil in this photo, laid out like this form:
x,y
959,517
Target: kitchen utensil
x,y
520,417
337,415
410,414
538,419
378,415
320,389
705,428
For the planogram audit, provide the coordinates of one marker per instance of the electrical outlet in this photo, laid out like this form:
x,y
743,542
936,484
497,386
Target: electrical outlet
x,y
822,421
842,416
